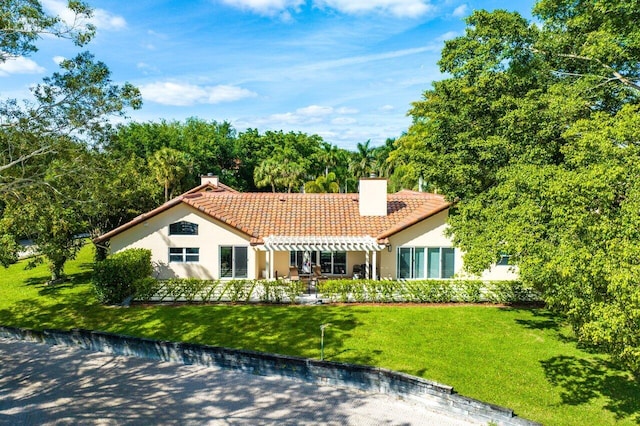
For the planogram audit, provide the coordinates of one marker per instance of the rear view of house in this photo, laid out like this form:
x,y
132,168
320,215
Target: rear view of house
x,y
215,232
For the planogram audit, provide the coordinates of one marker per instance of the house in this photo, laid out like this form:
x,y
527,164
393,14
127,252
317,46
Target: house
x,y
215,232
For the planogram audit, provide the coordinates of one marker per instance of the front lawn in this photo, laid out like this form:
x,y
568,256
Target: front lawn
x,y
521,358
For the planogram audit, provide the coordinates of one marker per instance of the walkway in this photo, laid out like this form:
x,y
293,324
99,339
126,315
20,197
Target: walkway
x,y
41,384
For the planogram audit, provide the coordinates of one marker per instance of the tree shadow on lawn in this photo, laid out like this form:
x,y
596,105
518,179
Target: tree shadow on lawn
x,y
288,330
543,319
582,380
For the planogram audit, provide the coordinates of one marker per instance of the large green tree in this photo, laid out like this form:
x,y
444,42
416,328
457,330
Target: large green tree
x,y
44,141
535,134
24,22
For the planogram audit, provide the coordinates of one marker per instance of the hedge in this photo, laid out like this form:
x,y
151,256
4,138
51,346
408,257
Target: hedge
x,y
192,290
122,275
426,291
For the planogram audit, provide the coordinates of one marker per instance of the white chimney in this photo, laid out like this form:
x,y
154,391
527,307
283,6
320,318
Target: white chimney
x,y
209,178
373,197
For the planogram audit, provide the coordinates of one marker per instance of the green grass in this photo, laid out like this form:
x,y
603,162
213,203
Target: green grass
x,y
521,358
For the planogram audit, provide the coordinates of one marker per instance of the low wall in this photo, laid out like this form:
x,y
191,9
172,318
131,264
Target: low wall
x,y
362,377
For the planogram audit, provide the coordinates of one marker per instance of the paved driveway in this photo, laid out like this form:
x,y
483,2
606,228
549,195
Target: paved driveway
x,y
41,384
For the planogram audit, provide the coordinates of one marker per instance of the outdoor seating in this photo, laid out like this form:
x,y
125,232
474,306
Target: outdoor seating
x,y
293,274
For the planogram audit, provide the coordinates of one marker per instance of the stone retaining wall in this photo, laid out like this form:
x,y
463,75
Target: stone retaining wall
x,y
372,379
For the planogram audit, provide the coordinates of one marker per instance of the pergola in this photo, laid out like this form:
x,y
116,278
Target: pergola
x,y
366,244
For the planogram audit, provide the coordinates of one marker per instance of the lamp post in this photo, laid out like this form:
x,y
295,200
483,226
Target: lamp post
x,y
322,327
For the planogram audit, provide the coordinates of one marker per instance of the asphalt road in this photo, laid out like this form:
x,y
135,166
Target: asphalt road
x,y
56,385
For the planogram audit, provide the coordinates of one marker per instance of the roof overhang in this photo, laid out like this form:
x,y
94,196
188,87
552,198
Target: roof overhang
x,y
321,243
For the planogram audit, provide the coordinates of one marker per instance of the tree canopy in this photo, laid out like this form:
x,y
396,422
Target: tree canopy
x,y
46,144
536,135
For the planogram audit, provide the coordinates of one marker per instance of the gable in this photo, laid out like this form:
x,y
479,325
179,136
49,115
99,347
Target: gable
x,y
154,232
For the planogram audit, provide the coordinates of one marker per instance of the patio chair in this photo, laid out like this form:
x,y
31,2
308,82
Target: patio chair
x,y
293,274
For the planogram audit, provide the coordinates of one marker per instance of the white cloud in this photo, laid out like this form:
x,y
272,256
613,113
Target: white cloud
x,y
460,11
399,8
311,114
101,18
146,68
314,111
346,110
387,108
448,36
358,60
267,7
182,94
58,59
343,120
107,21
20,65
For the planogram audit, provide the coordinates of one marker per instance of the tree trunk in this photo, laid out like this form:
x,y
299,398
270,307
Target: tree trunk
x,y
57,270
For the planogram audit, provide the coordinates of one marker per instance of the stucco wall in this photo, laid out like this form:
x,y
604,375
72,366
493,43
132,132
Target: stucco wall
x,y
431,233
153,234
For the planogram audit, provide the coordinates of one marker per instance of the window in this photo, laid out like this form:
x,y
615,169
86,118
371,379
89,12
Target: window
x,y
303,260
184,254
333,262
411,262
505,259
233,262
183,228
439,262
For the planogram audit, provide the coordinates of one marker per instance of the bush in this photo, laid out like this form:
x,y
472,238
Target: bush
x,y
114,278
425,291
145,288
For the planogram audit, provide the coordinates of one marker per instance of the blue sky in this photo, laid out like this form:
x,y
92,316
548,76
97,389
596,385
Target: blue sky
x,y
346,70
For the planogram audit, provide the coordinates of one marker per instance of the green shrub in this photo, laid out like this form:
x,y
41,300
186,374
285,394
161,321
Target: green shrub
x,y
469,291
273,291
293,289
146,288
114,277
209,290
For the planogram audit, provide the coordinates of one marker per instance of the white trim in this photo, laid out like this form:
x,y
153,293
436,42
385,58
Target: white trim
x,y
320,243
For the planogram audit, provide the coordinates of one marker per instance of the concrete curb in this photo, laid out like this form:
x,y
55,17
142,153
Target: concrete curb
x,y
367,378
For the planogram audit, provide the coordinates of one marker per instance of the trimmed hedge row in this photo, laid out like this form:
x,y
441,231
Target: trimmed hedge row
x,y
426,291
191,290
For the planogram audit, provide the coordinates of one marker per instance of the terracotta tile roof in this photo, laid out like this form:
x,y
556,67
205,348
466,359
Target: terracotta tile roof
x,y
263,214
259,215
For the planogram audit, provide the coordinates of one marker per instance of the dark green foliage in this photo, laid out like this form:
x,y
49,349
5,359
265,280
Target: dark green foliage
x,y
145,288
535,134
426,291
115,277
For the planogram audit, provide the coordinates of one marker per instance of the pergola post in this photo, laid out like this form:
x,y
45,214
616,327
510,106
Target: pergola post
x,y
366,265
375,266
271,263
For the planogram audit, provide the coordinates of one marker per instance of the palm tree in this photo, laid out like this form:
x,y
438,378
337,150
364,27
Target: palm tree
x,y
328,156
323,184
169,166
363,160
267,173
